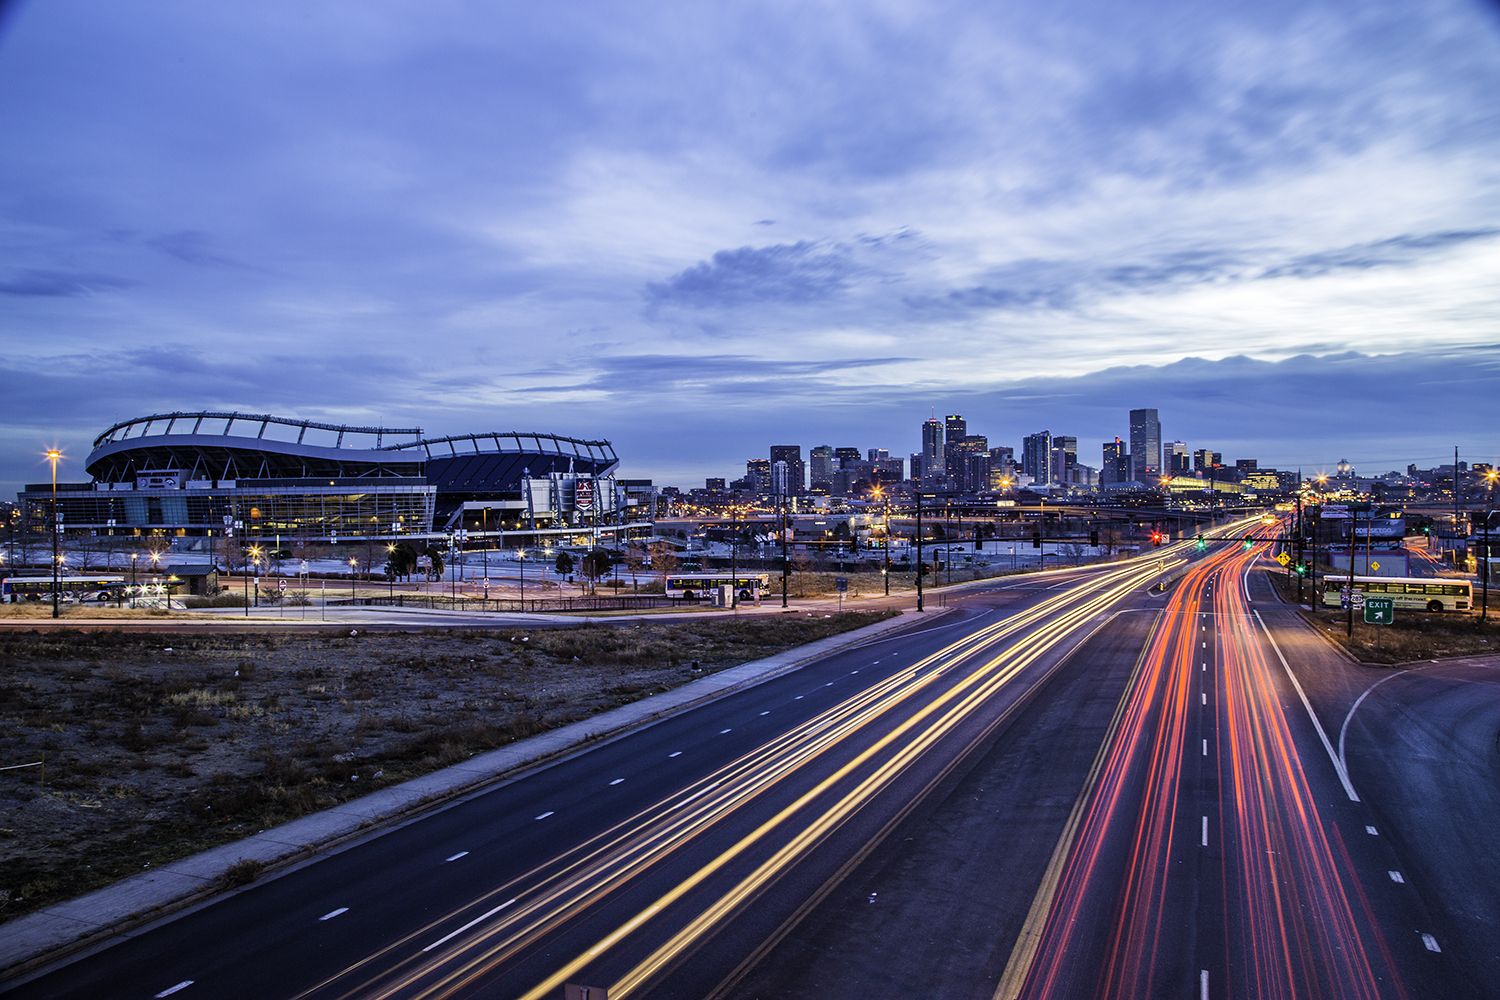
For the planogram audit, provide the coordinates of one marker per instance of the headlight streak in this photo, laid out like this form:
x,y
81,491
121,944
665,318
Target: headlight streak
x,y
588,873
1289,929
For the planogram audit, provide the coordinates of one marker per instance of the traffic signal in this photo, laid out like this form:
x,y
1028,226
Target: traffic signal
x,y
1156,539
1301,569
1094,537
1249,543
1036,539
1202,543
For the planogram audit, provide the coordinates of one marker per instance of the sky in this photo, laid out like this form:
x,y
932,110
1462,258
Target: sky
x,y
697,230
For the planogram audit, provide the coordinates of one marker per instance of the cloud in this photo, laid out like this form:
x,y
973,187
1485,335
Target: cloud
x,y
190,246
58,284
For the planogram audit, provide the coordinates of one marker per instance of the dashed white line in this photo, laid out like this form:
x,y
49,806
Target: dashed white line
x,y
1430,942
1205,748
723,731
799,697
333,913
765,713
1204,696
1371,831
471,923
460,854
1203,667
677,753
1205,831
545,814
173,989
1396,877
1203,984
1205,645
829,684
617,781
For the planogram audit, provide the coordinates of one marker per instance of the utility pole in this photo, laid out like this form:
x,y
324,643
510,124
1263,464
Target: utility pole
x,y
919,547
785,554
56,526
1353,534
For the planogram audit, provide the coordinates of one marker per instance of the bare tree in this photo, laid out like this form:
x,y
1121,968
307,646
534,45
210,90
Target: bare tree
x,y
664,560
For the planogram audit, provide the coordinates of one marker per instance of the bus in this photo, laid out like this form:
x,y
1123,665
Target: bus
x,y
69,588
694,586
1411,593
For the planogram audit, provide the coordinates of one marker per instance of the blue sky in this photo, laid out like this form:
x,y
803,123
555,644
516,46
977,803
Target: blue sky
x,y
700,229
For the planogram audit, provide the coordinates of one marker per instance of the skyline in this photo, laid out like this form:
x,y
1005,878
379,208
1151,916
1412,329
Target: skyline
x,y
698,232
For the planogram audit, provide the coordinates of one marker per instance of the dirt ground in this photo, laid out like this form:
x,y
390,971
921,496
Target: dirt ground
x,y
157,746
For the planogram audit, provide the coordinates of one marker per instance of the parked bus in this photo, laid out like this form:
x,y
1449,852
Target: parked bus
x,y
1411,593
693,586
70,588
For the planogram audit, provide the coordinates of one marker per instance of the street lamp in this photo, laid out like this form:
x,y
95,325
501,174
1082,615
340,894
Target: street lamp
x,y
353,569
390,576
53,456
521,558
253,566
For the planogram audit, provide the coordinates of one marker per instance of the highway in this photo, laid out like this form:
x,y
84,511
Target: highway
x,y
618,865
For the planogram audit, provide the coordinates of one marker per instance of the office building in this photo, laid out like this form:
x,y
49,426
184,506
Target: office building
x,y
791,454
1203,460
758,473
934,461
878,454
1176,457
780,480
1145,446
1116,467
820,467
1036,457
715,485
955,429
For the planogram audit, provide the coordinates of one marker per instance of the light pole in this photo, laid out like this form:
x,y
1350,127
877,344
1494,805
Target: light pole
x,y
886,503
353,569
1489,514
521,558
52,456
786,529
390,576
918,494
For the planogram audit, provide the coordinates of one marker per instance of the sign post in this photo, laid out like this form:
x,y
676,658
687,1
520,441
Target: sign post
x,y
1380,611
841,584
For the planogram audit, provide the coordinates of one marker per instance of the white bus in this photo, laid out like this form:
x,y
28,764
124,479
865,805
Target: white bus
x,y
1411,593
695,586
69,588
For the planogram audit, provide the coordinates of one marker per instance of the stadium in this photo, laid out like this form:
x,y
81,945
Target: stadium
x,y
193,474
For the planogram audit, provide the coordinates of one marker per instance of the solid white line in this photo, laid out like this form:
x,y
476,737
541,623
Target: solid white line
x,y
173,989
1203,984
1430,942
1338,765
1349,717
1396,877
676,754
333,913
544,815
617,781
460,854
471,923
1371,831
1205,831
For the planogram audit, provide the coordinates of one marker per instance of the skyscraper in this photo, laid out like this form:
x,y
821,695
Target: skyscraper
x,y
956,428
934,463
791,454
820,466
1145,446
1036,456
1116,468
1175,455
780,479
758,472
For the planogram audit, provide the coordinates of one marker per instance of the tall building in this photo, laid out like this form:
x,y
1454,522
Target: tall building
x,y
791,454
848,455
1203,460
878,454
1003,459
715,485
820,466
1145,446
1175,455
1116,468
1243,465
976,477
780,480
1063,464
1036,456
917,460
758,471
934,462
955,429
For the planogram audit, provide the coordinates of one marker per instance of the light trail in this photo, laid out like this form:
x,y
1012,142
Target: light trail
x,y
1288,927
565,887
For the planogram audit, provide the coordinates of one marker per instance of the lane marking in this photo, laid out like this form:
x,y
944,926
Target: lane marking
x,y
334,913
1205,645
677,753
1203,667
829,684
765,713
173,989
1338,764
460,854
1371,831
1203,984
449,937
1205,748
1344,729
1205,831
799,697
617,781
1204,696
545,815
1430,942
723,731
854,671
1396,877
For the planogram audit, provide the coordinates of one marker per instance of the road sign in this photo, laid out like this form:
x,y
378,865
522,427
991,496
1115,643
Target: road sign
x,y
281,584
1374,567
841,583
1344,599
1380,611
1283,558
1357,599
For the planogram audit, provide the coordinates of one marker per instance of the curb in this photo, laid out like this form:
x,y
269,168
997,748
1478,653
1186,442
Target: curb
x,y
38,939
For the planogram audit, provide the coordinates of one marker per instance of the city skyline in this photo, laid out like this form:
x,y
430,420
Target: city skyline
x,y
1272,221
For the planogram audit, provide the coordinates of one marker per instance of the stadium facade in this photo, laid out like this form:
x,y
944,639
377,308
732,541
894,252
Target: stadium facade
x,y
201,473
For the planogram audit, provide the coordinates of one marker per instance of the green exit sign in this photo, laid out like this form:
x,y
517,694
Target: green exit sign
x,y
1380,611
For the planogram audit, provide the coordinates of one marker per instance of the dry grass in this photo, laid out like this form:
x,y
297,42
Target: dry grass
x,y
159,746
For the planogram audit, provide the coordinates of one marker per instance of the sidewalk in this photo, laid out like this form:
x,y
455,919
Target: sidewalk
x,y
37,939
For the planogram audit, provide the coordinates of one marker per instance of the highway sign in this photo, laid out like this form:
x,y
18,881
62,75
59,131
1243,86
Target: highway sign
x,y
1380,611
841,583
1357,599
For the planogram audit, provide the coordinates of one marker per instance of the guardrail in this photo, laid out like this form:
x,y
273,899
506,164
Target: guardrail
x,y
539,605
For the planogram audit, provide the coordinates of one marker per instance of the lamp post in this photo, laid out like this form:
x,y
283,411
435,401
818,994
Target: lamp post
x,y
390,576
886,572
1489,514
52,456
786,530
918,494
353,569
521,558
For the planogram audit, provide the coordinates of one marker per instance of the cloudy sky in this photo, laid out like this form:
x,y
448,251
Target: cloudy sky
x,y
700,229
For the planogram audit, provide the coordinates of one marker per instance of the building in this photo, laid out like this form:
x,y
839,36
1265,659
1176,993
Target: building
x,y
1245,465
1145,446
758,474
1116,467
1177,460
780,480
1036,457
206,472
791,454
1064,458
1203,460
955,429
820,467
715,485
934,461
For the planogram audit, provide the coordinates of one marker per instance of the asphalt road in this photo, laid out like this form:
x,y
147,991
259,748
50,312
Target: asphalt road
x,y
668,861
